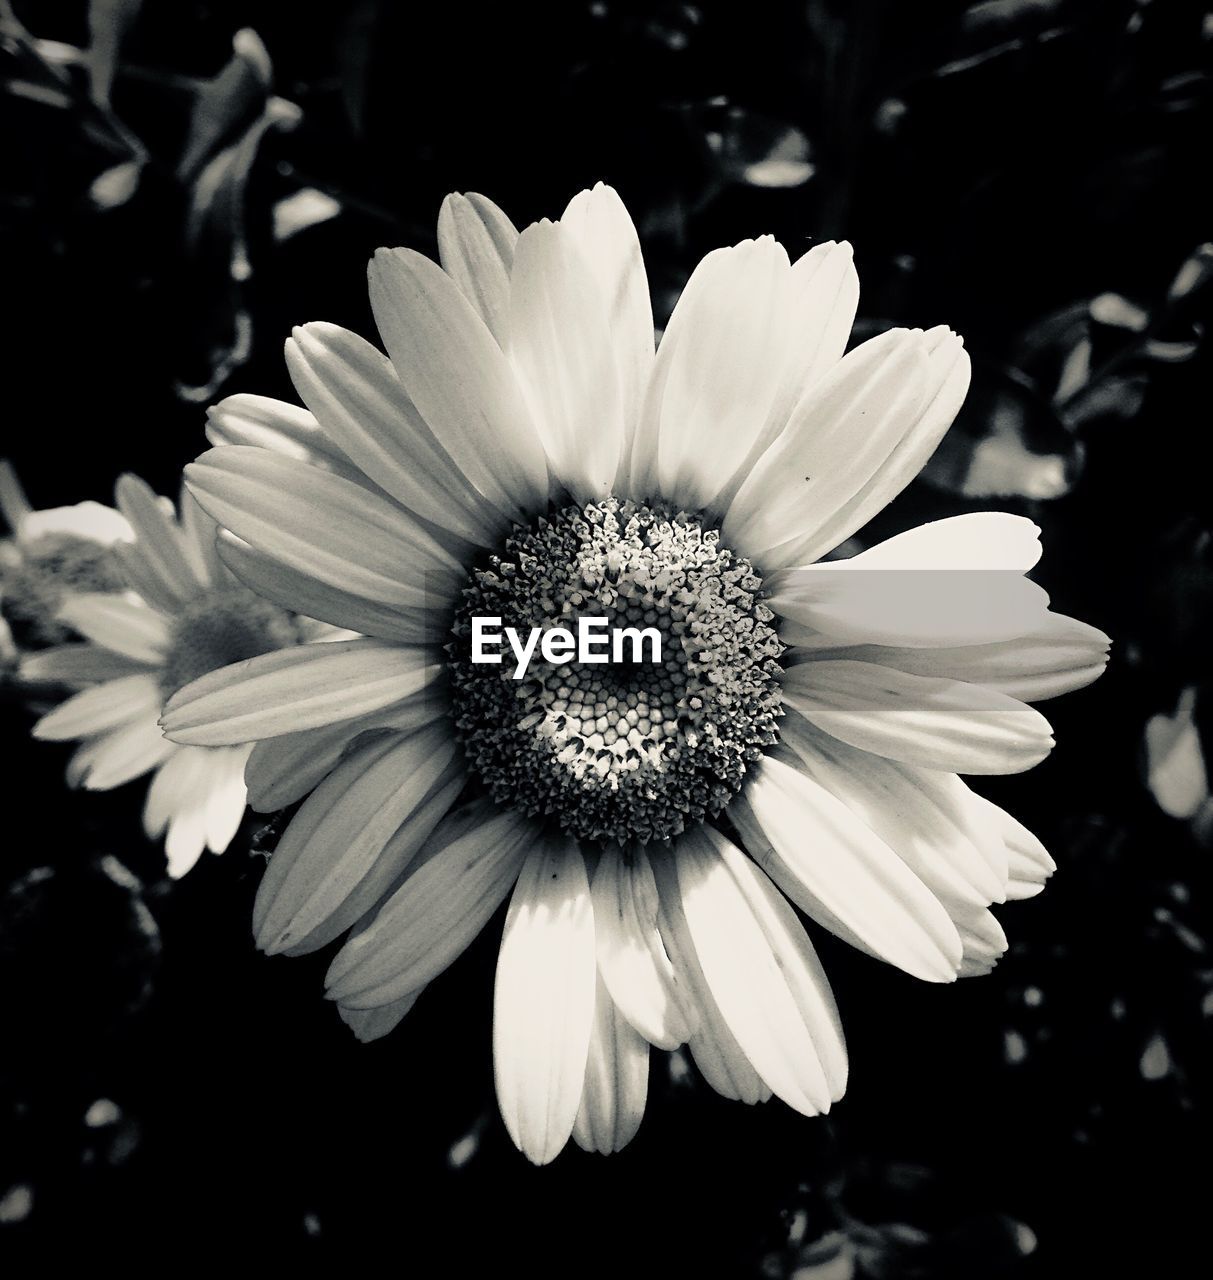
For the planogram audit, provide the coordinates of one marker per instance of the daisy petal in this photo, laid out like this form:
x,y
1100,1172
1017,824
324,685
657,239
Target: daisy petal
x,y
301,593
764,974
476,247
284,769
157,558
459,380
373,1024
838,435
543,1000
354,835
906,453
79,664
172,789
823,295
460,878
1029,863
560,344
227,797
924,816
631,957
264,423
294,689
713,1046
126,752
718,370
616,1081
101,708
1058,656
323,526
834,867
936,724
602,229
355,394
126,626
984,943
201,534
954,582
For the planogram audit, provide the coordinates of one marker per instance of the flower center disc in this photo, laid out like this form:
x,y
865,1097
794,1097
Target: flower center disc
x,y
222,627
620,750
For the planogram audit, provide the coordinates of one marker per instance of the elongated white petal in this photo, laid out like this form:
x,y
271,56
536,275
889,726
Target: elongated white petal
x,y
1029,864
294,689
120,623
304,594
264,423
543,1000
355,394
201,534
476,248
284,769
79,664
838,435
459,379
125,753
616,1082
763,972
713,1046
158,556
186,836
175,788
905,454
823,294
324,526
1058,656
631,957
226,797
719,368
924,816
937,724
984,943
953,582
603,231
353,837
456,885
373,1024
101,708
839,872
560,344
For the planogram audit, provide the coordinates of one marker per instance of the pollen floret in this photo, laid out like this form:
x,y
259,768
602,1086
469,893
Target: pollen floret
x,y
629,750
223,626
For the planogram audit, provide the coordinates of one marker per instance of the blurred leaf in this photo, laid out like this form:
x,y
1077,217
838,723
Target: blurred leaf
x,y
1194,273
306,208
116,185
1175,762
227,104
761,152
1117,312
1023,452
108,23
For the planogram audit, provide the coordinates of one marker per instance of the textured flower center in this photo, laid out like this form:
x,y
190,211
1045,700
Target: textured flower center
x,y
53,566
632,749
222,627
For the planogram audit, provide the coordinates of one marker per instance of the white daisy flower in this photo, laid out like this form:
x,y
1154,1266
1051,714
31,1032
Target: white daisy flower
x,y
185,615
522,453
50,554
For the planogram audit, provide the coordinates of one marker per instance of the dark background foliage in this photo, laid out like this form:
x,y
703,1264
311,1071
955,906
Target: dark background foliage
x,y
182,181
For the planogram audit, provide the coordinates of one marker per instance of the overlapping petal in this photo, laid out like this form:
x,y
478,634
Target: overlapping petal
x,y
294,689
